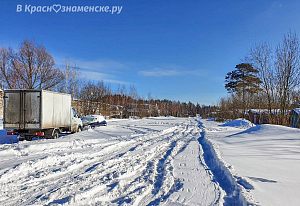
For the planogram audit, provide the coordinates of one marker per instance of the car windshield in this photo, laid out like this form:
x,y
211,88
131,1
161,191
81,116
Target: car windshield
x,y
89,119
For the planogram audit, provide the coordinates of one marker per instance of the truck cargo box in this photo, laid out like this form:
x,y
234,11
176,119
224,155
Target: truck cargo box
x,y
36,109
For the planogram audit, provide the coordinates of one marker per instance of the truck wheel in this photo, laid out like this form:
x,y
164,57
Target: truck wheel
x,y
79,129
28,138
55,134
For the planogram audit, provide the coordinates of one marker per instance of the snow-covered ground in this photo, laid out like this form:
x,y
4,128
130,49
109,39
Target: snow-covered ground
x,y
264,159
131,162
156,161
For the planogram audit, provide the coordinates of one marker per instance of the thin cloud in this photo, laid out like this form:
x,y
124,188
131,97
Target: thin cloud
x,y
171,72
99,65
99,76
102,65
95,70
159,73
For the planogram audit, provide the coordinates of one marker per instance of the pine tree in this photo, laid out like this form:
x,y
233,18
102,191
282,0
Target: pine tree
x,y
243,80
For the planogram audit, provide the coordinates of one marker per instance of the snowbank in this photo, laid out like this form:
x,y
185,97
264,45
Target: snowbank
x,y
223,175
239,123
263,159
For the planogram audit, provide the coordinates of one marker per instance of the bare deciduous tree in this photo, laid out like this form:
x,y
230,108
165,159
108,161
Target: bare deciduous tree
x,y
287,70
71,82
8,76
31,67
279,72
261,58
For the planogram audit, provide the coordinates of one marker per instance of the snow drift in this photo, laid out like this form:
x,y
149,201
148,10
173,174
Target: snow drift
x,y
239,123
263,159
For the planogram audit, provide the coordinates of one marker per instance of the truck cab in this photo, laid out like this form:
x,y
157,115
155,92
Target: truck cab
x,y
76,123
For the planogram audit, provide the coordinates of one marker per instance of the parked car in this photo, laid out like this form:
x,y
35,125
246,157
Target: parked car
x,y
93,120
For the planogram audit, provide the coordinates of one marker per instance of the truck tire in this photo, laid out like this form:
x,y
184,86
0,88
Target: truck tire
x,y
79,129
55,134
28,138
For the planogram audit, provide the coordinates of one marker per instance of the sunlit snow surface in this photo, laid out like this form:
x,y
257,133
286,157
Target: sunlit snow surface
x,y
154,161
264,159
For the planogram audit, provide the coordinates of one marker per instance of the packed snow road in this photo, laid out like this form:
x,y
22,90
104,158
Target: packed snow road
x,y
154,161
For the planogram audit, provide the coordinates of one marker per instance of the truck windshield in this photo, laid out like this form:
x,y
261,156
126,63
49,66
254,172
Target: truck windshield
x,y
74,113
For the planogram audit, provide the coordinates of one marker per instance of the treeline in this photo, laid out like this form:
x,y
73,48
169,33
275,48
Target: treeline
x,y
268,80
99,98
31,66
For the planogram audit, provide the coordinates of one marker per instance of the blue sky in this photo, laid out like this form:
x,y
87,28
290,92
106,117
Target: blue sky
x,y
175,49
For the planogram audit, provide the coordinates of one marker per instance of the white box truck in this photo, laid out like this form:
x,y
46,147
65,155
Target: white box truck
x,y
44,113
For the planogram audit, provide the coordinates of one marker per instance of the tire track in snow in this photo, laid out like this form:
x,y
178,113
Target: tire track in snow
x,y
33,187
132,192
197,187
135,169
73,180
149,176
55,183
172,186
161,171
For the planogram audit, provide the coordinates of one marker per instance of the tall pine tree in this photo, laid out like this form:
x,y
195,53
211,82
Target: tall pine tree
x,y
241,81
